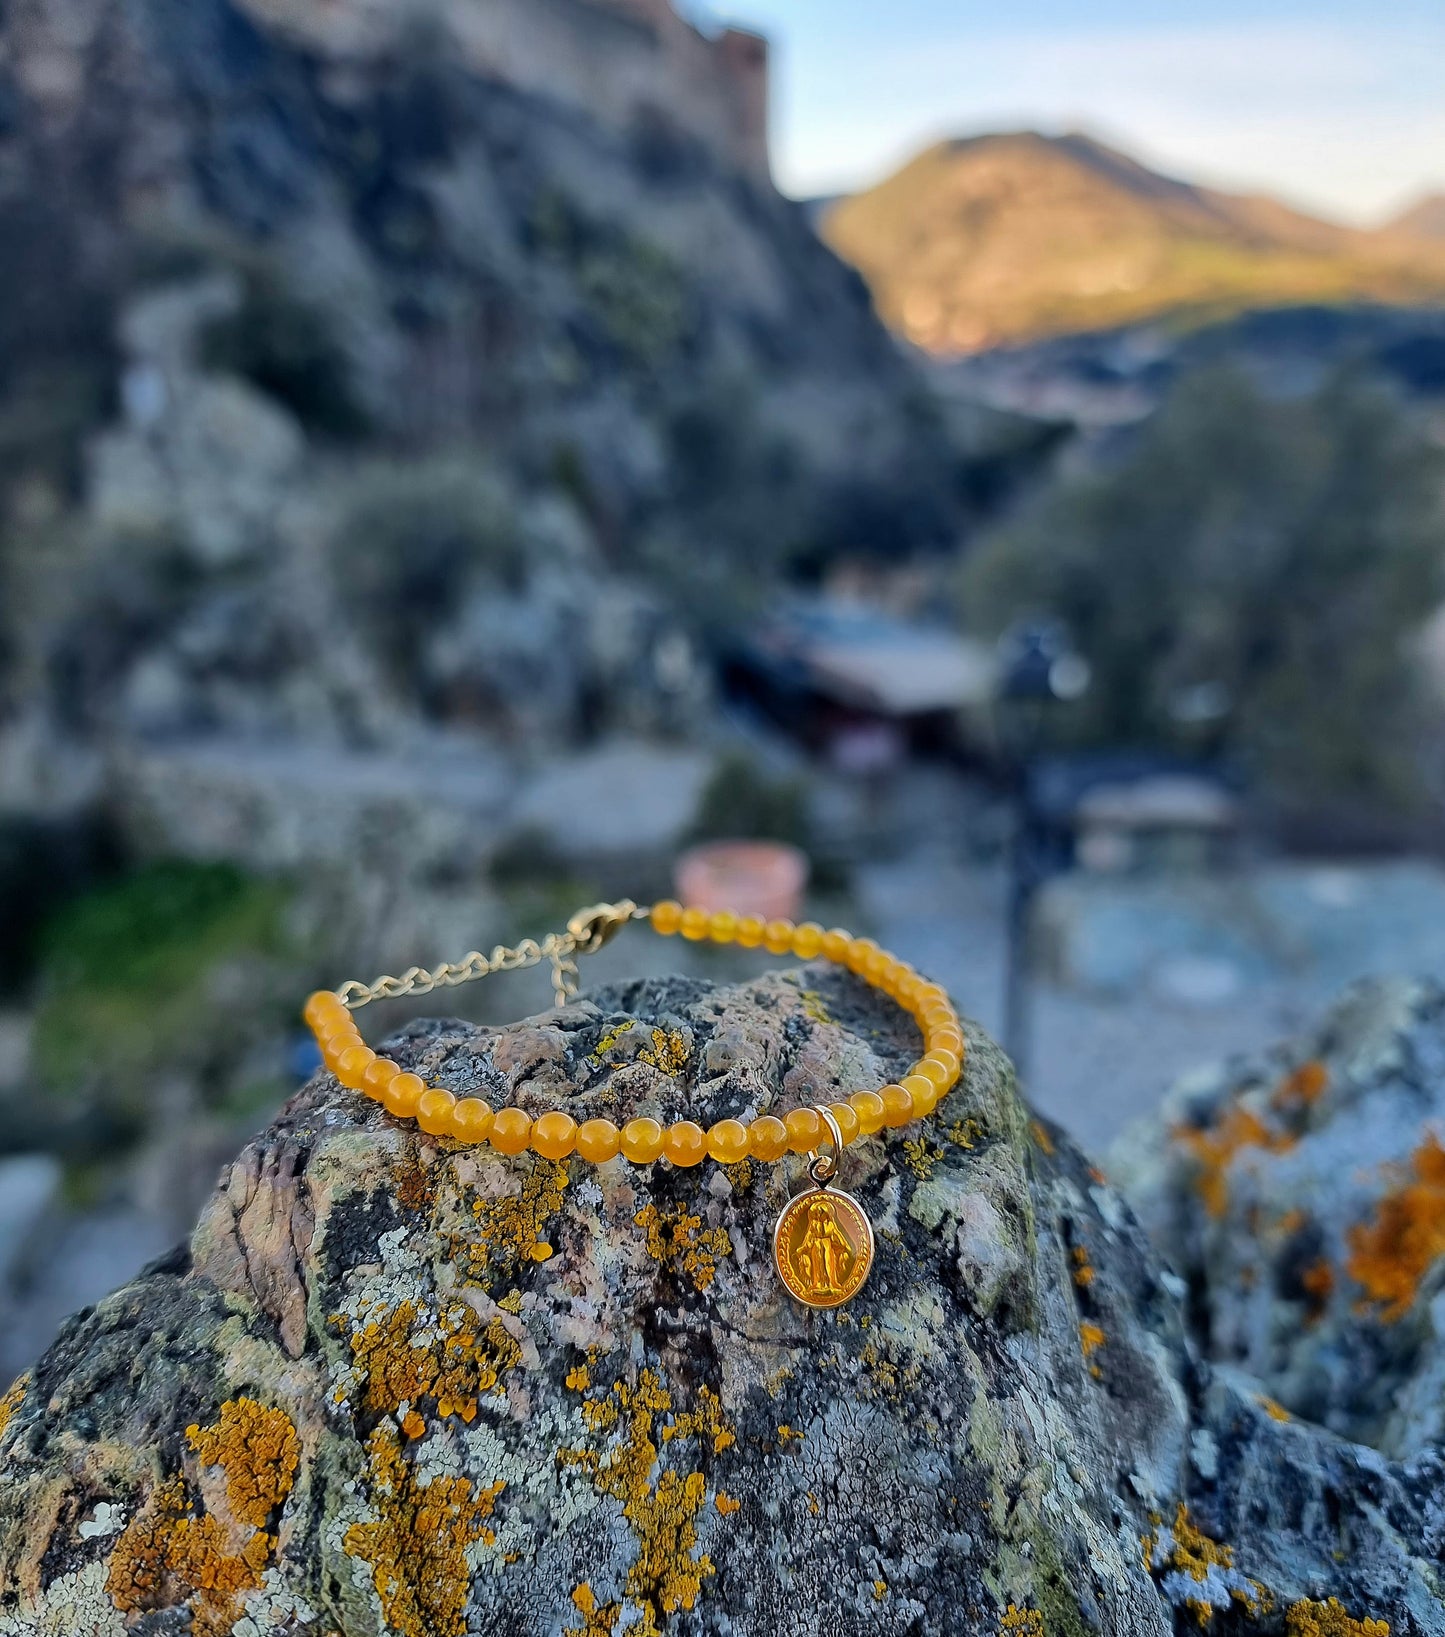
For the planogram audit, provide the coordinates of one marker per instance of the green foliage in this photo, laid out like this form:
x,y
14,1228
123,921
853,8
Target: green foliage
x,y
289,347
412,538
743,802
127,972
1279,554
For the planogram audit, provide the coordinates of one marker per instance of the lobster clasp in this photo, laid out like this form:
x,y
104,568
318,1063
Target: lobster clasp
x,y
599,924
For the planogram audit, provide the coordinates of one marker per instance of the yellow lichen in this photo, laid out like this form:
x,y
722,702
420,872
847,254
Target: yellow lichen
x,y
1027,1622
814,1007
12,1401
666,1575
1306,1619
608,1039
450,1359
1276,1412
789,1435
511,1302
679,1241
510,1230
417,1546
579,1379
1091,1338
1041,1136
726,1504
1192,1553
257,1448
598,1619
1318,1282
880,1590
965,1133
1391,1255
1083,1267
740,1176
668,1053
1215,1147
920,1156
166,1558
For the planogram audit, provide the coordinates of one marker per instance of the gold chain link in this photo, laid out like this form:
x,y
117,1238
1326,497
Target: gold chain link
x,y
587,932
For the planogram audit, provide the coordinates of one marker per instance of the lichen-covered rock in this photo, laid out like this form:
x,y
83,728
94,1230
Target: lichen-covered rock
x,y
1301,1193
398,1386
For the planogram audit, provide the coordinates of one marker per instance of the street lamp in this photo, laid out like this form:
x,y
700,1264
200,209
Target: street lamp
x,y
1038,668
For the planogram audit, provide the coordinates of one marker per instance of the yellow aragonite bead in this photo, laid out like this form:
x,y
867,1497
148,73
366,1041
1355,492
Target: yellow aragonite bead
x,y
352,1064
471,1120
778,937
598,1141
666,917
684,1143
722,926
897,1105
727,1142
750,930
948,1061
768,1137
948,1039
511,1130
835,945
805,1129
403,1093
335,1047
378,1075
642,1140
932,994
694,923
554,1135
940,1015
934,1070
922,1093
868,1106
321,1006
876,967
847,1117
860,952
434,1111
808,941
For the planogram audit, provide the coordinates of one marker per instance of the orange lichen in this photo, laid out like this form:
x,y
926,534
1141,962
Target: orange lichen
x,y
1302,1087
598,1619
1391,1255
669,1571
726,1504
413,1186
417,1547
678,1240
166,1557
1318,1282
1276,1412
1306,1619
413,1425
579,1379
450,1359
1083,1267
510,1230
1041,1136
12,1401
1187,1550
1215,1148
1028,1622
1091,1338
257,1448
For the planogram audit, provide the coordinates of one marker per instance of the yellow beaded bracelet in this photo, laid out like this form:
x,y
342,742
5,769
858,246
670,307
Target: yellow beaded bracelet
x,y
819,1250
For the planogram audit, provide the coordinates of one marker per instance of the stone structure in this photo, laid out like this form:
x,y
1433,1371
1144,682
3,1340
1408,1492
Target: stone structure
x,y
618,60
393,1386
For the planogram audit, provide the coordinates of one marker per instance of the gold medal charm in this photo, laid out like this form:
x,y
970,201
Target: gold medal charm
x,y
823,1241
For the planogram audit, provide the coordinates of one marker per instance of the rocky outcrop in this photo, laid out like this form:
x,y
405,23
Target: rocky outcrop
x,y
397,1386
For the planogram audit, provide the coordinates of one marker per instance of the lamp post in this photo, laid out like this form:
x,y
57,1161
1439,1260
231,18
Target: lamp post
x,y
1037,669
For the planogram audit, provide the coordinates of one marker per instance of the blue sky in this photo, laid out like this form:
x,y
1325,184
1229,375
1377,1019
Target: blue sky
x,y
1338,105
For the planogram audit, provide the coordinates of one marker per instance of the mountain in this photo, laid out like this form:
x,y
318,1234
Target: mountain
x,y
1000,239
1423,220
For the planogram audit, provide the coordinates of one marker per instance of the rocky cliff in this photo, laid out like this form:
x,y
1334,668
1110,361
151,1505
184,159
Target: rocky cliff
x,y
394,1386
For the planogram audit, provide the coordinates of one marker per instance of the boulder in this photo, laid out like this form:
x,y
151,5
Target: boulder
x,y
394,1385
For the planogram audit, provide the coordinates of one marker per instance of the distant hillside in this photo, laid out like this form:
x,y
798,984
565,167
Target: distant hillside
x,y
999,239
1425,220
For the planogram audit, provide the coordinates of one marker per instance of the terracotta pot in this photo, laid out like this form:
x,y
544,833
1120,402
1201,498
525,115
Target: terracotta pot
x,y
764,878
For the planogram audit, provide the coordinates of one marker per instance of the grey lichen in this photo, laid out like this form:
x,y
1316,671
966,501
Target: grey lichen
x,y
397,1386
